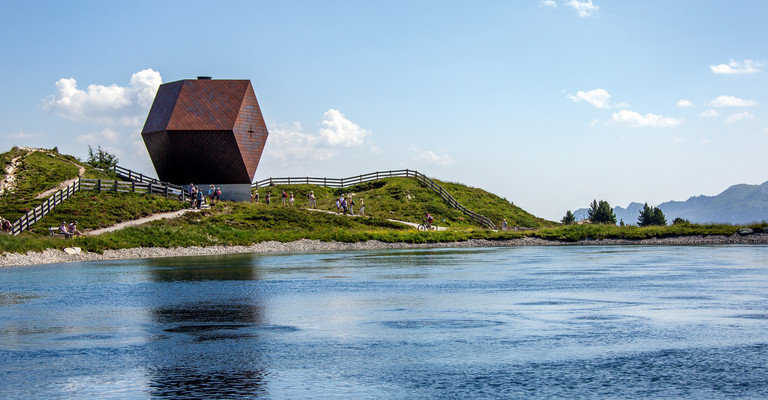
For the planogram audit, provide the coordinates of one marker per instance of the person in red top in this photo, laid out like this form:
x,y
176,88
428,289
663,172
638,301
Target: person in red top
x,y
427,219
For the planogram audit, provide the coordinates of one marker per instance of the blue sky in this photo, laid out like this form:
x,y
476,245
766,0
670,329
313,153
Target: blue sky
x,y
549,104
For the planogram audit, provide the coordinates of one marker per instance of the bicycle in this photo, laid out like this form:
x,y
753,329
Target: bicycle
x,y
426,226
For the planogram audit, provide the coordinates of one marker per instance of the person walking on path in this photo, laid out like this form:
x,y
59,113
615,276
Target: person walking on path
x,y
255,196
362,207
284,196
199,197
312,203
211,195
351,205
269,198
192,195
504,225
291,200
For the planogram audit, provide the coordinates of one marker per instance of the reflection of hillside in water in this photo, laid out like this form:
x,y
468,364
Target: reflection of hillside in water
x,y
211,320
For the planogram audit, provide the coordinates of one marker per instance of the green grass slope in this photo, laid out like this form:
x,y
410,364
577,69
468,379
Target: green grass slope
x,y
493,206
37,171
406,199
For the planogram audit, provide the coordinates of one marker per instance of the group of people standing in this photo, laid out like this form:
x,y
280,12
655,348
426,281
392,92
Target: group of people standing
x,y
345,203
197,195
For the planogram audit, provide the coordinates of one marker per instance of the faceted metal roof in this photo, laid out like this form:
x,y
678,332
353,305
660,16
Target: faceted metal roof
x,y
205,130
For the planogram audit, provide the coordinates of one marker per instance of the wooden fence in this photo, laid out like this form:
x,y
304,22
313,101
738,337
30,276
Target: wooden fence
x,y
140,183
375,176
42,210
154,187
336,182
128,175
149,187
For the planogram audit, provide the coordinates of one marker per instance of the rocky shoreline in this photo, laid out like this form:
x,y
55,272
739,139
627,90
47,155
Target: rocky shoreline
x,y
72,255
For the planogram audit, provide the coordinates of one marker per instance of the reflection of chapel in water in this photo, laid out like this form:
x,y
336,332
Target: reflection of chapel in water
x,y
208,349
206,131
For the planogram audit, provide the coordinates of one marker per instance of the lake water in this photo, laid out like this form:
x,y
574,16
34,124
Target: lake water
x,y
527,322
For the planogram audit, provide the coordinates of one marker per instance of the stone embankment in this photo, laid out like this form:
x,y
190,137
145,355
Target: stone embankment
x,y
74,255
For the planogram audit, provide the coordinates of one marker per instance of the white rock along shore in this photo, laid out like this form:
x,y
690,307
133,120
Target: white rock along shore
x,y
57,256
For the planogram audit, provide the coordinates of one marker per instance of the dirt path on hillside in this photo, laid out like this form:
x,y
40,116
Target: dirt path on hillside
x,y
134,222
9,182
413,224
80,173
174,214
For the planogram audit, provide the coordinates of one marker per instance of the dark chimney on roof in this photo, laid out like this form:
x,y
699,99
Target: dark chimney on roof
x,y
204,77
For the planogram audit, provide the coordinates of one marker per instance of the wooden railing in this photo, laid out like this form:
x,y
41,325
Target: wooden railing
x,y
375,176
150,186
42,210
336,182
483,220
128,175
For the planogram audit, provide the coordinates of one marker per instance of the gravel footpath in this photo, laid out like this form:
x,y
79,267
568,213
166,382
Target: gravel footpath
x,y
304,245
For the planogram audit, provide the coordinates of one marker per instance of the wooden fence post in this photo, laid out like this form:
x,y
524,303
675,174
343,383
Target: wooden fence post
x,y
99,186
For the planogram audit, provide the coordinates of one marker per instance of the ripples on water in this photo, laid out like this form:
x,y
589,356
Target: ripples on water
x,y
566,322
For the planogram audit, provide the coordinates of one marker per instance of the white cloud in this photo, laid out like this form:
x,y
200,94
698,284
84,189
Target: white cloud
x,y
288,144
599,98
431,158
548,3
738,117
113,104
684,103
735,67
584,8
22,135
636,120
97,138
341,132
710,113
765,130
731,101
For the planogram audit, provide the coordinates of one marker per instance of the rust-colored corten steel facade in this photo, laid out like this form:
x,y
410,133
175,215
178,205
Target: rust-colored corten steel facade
x,y
205,131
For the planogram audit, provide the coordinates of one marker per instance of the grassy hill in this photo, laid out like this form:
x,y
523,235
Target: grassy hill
x,y
37,171
406,199
230,223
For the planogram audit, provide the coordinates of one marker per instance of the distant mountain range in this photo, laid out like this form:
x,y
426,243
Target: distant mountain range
x,y
739,204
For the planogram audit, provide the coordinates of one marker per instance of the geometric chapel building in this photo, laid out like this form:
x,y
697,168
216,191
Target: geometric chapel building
x,y
206,131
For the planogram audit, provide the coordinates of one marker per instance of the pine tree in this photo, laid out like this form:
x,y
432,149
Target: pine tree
x,y
569,218
651,216
601,213
101,159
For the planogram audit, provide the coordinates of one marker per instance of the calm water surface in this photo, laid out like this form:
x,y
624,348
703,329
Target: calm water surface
x,y
540,322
